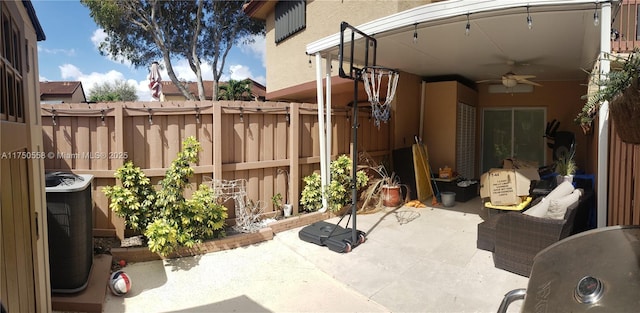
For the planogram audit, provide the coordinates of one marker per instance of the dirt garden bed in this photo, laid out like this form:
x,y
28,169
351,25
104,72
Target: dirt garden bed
x,y
134,249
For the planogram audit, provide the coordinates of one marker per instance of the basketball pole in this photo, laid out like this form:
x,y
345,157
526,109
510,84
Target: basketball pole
x,y
354,159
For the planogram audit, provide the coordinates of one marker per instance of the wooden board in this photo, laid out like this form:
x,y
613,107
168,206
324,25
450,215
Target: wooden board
x,y
422,172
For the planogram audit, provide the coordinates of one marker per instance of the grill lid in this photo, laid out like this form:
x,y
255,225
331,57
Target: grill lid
x,y
595,271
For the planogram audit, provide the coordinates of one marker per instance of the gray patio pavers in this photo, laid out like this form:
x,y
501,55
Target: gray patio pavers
x,y
429,264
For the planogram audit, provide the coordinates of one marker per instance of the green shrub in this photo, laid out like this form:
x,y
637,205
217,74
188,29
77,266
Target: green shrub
x,y
338,192
311,198
134,200
167,219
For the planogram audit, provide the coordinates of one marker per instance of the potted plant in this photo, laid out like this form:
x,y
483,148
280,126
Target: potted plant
x,y
621,88
384,189
566,167
338,192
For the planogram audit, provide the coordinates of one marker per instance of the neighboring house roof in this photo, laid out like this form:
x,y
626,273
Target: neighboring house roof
x,y
34,20
60,89
169,89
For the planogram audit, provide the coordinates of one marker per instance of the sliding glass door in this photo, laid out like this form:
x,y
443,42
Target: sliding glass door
x,y
513,133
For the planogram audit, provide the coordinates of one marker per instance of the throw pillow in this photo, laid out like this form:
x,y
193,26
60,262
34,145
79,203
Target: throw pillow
x,y
579,191
538,210
560,191
558,207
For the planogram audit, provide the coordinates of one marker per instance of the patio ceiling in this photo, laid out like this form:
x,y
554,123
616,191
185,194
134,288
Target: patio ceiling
x,y
562,43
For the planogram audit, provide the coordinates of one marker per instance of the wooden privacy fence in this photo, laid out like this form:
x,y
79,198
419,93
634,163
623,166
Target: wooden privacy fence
x,y
272,145
624,181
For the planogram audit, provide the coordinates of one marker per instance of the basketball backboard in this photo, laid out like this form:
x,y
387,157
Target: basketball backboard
x,y
357,50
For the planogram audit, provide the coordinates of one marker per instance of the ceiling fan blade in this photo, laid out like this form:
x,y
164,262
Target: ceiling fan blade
x,y
487,81
528,82
520,77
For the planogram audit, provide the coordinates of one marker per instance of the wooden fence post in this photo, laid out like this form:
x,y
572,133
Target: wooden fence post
x,y
118,222
217,140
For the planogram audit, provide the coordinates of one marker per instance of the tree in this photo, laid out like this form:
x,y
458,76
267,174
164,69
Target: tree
x,y
235,90
118,91
226,28
142,31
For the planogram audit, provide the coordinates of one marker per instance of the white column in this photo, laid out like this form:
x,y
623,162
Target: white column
x,y
323,156
328,119
603,119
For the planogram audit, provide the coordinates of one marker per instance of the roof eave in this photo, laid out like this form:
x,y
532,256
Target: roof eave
x,y
259,9
433,12
40,36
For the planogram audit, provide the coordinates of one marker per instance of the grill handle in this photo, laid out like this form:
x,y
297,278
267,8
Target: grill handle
x,y
513,295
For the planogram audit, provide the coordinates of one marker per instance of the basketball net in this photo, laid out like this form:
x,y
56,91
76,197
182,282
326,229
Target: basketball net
x,y
373,78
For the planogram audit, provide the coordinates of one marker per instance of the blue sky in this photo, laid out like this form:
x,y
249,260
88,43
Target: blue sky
x,y
70,53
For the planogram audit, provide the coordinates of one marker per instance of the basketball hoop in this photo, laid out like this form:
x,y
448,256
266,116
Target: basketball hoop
x,y
374,77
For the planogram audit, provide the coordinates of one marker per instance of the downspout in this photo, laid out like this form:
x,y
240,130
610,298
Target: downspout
x,y
323,156
603,119
329,124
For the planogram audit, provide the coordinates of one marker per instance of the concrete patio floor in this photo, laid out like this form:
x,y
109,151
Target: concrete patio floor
x,y
428,264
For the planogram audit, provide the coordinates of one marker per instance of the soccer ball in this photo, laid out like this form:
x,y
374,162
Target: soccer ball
x,y
119,283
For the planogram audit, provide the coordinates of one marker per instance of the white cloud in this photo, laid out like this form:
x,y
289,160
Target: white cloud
x,y
142,89
240,72
43,79
183,71
98,37
67,52
89,81
69,71
256,49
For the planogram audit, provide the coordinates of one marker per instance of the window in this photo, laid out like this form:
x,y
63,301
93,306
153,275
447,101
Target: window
x,y
513,133
290,18
11,76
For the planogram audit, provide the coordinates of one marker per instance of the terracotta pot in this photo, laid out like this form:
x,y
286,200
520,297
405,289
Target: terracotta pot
x,y
391,196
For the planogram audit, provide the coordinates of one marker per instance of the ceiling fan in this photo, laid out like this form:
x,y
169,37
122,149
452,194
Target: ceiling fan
x,y
511,79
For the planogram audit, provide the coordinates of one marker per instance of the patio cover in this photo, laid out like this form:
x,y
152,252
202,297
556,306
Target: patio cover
x,y
562,43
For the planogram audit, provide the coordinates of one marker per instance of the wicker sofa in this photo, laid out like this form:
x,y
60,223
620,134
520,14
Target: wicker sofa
x,y
515,238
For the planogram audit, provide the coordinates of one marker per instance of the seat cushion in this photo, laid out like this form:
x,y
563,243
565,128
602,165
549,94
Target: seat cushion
x,y
560,191
539,210
558,207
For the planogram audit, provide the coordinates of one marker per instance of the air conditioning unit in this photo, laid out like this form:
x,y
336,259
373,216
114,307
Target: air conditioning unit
x,y
519,88
70,224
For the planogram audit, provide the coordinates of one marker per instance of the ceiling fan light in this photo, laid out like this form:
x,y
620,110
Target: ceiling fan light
x,y
509,82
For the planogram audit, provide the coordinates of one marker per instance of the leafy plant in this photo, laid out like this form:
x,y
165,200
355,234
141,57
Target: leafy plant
x,y
135,199
610,86
119,90
311,198
566,165
167,219
235,90
338,192
277,200
374,189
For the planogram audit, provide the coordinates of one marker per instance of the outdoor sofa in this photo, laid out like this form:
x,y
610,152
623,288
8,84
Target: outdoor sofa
x,y
515,238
